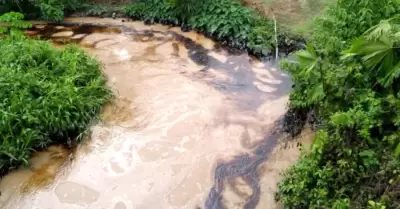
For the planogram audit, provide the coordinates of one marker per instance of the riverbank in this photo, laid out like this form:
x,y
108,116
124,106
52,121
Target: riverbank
x,y
48,96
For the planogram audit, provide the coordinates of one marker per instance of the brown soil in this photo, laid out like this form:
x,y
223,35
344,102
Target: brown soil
x,y
293,13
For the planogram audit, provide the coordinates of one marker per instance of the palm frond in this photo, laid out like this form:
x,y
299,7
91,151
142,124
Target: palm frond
x,y
376,32
378,50
392,74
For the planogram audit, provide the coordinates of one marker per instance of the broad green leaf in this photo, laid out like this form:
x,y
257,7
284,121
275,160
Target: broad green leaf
x,y
306,58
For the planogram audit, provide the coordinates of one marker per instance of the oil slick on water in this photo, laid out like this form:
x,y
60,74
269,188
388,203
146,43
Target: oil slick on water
x,y
192,127
42,170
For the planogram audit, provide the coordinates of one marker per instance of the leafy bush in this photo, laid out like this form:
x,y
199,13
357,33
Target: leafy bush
x,y
349,75
226,20
16,23
52,10
47,96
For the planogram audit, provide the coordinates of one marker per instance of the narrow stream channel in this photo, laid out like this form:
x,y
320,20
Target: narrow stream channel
x,y
193,126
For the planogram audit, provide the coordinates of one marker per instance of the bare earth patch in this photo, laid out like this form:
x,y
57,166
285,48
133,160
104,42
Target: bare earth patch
x,y
293,13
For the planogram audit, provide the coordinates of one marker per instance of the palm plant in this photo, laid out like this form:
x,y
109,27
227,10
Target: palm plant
x,y
379,49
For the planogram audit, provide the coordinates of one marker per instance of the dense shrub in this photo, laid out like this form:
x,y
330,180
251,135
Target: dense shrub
x,y
47,96
226,20
13,24
349,75
52,10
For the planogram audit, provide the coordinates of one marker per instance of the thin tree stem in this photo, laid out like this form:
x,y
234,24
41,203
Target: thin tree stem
x,y
276,37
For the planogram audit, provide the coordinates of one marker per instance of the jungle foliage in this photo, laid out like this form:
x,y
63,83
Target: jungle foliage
x,y
349,76
48,95
225,20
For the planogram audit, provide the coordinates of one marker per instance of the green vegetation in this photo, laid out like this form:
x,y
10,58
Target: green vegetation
x,y
52,10
96,10
15,24
55,10
226,20
349,76
47,95
99,10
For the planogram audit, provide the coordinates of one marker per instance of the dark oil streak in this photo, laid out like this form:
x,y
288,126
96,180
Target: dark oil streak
x,y
244,166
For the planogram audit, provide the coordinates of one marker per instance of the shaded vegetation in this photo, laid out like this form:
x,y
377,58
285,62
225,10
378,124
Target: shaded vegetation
x,y
228,21
101,9
56,10
349,76
47,95
52,10
96,10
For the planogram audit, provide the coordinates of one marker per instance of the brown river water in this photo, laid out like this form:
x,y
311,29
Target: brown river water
x,y
192,126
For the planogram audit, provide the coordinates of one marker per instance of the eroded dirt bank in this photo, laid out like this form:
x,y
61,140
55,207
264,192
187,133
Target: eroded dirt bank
x,y
192,127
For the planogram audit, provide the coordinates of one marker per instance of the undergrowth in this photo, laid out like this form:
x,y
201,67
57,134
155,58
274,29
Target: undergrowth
x,y
96,10
51,10
48,95
349,76
93,9
228,21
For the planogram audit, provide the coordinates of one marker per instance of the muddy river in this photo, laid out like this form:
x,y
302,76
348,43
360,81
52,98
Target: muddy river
x,y
192,126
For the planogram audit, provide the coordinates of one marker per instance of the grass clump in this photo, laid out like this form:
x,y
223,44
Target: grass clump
x,y
349,76
47,96
228,21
